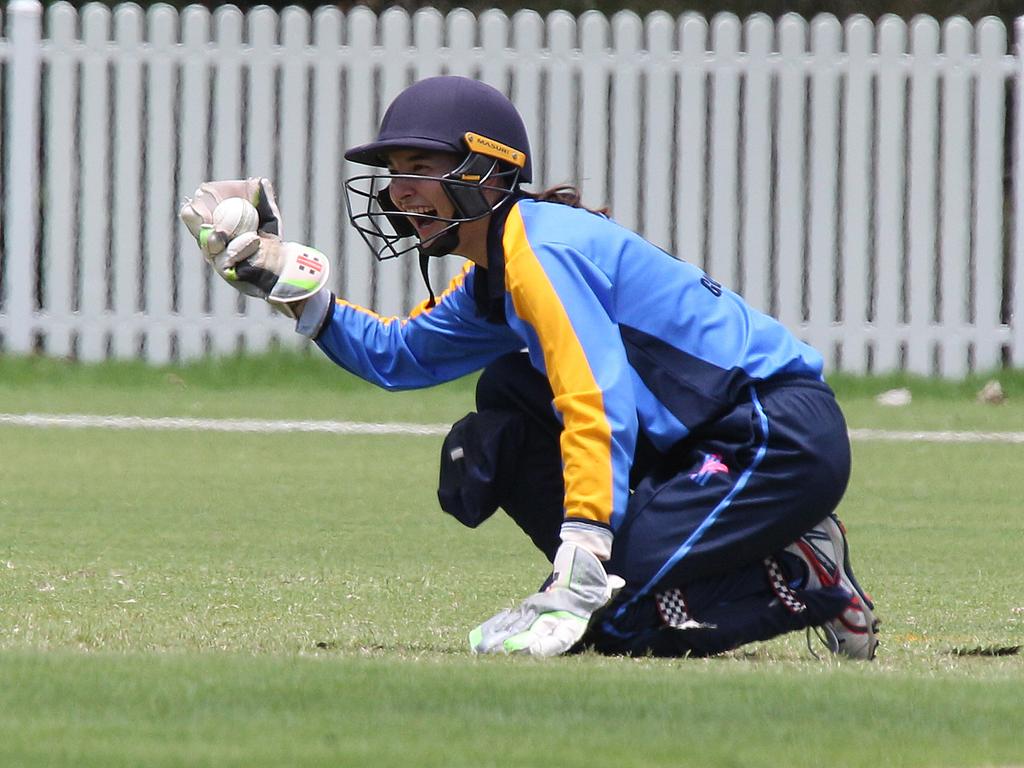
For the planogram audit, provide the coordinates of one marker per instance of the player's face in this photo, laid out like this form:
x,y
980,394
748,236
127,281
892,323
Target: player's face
x,y
421,195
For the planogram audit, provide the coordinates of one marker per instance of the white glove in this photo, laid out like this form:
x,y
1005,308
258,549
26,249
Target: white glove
x,y
262,266
551,622
256,263
197,211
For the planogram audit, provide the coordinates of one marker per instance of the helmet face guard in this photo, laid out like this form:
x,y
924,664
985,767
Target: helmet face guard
x,y
465,118
387,230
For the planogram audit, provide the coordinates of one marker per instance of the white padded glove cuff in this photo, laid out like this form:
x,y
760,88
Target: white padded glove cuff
x,y
593,538
314,314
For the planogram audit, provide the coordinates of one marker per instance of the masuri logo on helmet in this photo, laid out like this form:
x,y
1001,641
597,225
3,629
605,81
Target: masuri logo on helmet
x,y
485,146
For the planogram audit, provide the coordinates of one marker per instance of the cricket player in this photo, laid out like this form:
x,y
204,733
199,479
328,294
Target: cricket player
x,y
676,455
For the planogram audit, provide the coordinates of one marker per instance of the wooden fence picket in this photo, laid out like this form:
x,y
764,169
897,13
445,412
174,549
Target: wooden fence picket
x,y
194,156
822,238
754,278
1016,251
21,173
989,127
528,42
593,150
560,104
921,180
326,203
361,119
791,194
392,278
94,185
625,142
225,162
160,280
889,184
658,147
855,184
723,178
295,105
261,150
60,179
954,242
691,142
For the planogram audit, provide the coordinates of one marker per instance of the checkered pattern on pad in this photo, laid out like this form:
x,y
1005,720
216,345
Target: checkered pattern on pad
x,y
672,608
777,580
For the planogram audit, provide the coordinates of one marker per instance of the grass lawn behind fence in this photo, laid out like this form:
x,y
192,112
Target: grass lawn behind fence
x,y
189,598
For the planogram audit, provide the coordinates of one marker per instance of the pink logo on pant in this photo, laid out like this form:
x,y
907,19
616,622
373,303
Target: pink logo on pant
x,y
712,466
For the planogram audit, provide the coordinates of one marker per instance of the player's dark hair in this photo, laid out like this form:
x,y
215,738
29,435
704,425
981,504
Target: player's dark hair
x,y
565,194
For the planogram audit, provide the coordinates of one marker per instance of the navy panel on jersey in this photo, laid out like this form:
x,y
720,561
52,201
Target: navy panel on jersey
x,y
693,390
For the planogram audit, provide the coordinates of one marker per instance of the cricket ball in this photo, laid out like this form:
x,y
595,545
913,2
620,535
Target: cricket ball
x,y
235,216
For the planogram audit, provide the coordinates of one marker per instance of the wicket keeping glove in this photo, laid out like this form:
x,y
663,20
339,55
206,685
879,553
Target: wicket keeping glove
x,y
262,266
197,211
256,263
551,622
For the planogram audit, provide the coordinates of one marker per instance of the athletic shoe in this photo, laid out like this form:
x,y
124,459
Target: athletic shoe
x,y
825,552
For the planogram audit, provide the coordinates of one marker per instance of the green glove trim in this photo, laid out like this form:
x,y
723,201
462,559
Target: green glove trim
x,y
527,638
303,285
204,235
475,638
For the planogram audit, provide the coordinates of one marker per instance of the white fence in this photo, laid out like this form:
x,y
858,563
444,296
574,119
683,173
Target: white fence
x,y
853,179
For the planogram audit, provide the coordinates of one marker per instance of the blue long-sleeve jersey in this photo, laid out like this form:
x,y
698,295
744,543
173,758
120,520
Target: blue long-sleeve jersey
x,y
629,337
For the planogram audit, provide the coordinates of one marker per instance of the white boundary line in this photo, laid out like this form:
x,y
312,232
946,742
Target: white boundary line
x,y
940,436
84,421
266,426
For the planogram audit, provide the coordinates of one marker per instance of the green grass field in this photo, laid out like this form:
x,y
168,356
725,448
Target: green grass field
x,y
184,598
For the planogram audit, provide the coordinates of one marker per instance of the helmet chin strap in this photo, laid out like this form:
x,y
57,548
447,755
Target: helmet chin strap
x,y
442,245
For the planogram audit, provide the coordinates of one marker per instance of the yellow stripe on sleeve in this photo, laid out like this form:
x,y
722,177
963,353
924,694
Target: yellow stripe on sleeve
x,y
419,309
454,285
586,437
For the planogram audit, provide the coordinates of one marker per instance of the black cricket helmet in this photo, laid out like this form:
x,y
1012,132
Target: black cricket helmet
x,y
465,117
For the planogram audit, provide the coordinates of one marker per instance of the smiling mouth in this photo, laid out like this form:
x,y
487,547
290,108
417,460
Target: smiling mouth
x,y
420,221
420,209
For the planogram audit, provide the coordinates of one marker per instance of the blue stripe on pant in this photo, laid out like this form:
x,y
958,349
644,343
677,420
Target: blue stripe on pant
x,y
694,538
788,459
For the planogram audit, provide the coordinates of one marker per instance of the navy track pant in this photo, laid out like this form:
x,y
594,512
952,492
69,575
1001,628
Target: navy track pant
x,y
736,491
